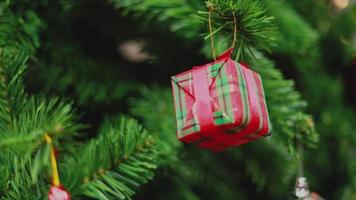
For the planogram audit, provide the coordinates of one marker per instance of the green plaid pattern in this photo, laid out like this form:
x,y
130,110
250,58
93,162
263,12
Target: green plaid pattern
x,y
222,87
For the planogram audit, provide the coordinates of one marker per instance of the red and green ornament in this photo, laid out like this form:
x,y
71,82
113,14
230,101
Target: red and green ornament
x,y
220,104
57,191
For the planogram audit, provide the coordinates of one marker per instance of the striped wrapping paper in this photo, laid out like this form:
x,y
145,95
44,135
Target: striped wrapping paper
x,y
228,91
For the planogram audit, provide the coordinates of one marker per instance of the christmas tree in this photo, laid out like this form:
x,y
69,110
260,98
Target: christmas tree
x,y
85,90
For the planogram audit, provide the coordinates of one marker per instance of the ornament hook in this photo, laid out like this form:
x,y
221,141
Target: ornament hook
x,y
212,45
210,8
55,175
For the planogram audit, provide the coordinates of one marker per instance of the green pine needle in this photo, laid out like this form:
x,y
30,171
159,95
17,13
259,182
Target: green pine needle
x,y
113,165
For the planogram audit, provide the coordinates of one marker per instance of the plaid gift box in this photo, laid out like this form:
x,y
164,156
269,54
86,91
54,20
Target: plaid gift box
x,y
219,104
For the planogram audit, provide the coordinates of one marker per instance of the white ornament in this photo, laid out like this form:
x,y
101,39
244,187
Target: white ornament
x,y
301,187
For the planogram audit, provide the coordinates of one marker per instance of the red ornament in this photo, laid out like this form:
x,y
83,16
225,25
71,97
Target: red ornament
x,y
220,104
314,196
58,193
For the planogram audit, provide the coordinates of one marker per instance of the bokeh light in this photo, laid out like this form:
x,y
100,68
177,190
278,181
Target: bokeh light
x,y
341,4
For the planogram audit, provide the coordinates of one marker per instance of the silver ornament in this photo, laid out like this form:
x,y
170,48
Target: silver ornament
x,y
301,187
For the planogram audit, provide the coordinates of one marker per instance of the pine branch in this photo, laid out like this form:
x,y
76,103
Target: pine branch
x,y
102,93
5,110
295,37
268,164
66,70
24,120
25,141
18,39
12,96
283,103
40,116
155,108
19,33
112,166
174,12
255,28
19,184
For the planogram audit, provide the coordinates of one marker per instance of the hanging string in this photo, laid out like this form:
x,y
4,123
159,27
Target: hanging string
x,y
300,156
235,31
210,32
55,175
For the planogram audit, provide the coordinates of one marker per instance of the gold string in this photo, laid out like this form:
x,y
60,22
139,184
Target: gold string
x,y
300,156
55,175
210,8
235,31
211,35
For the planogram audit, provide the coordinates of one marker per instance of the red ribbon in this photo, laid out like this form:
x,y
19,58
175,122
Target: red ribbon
x,y
217,139
203,106
202,100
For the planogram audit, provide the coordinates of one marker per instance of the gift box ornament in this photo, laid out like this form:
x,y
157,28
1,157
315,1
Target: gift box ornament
x,y
220,104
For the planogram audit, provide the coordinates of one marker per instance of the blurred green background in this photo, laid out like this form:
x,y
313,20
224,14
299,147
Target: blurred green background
x,y
116,58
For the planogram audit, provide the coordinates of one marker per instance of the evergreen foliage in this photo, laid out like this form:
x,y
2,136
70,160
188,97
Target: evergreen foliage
x,y
52,80
122,158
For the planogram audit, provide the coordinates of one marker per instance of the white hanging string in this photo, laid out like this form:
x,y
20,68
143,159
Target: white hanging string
x,y
300,156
